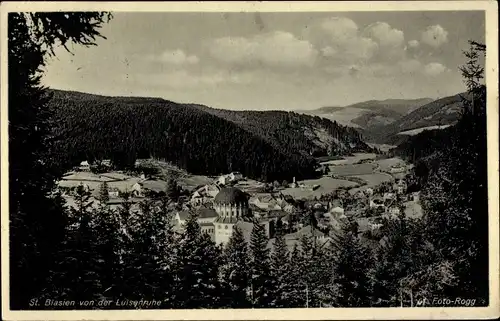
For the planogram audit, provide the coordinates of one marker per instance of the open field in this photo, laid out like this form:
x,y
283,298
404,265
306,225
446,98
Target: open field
x,y
250,185
375,179
381,147
385,164
354,169
327,185
350,159
190,182
419,130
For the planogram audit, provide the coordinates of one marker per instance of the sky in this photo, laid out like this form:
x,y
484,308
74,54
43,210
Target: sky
x,y
279,61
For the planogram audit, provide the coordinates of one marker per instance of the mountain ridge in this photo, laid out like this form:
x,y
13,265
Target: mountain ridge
x,y
268,145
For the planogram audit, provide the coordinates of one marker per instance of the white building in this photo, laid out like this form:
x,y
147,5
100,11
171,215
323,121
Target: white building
x,y
231,206
84,166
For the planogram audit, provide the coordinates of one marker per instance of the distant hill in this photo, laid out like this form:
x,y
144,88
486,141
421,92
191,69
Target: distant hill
x,y
437,114
370,113
261,145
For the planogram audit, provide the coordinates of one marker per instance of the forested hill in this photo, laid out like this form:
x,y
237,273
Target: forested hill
x,y
125,128
298,133
444,111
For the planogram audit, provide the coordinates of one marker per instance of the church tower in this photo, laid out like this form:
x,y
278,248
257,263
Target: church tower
x,y
231,205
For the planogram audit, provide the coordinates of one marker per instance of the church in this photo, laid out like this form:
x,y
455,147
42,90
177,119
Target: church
x,y
230,209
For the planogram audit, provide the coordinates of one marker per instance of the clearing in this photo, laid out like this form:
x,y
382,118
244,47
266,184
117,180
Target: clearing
x,y
326,185
352,169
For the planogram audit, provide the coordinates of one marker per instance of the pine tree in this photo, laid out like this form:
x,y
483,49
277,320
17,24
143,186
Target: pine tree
x,y
280,272
172,189
35,238
234,271
351,269
260,284
198,262
104,193
455,196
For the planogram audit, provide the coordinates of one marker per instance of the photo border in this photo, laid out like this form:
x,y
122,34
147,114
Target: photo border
x,y
491,76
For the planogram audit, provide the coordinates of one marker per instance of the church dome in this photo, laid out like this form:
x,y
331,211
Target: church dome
x,y
231,196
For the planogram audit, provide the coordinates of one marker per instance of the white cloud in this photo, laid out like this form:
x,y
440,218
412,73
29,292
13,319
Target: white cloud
x,y
435,36
175,57
413,43
340,28
276,48
434,69
385,35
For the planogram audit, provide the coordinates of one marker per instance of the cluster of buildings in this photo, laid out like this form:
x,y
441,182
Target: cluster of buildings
x,y
117,183
221,206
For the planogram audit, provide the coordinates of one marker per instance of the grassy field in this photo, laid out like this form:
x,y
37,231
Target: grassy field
x,y
327,185
354,169
385,164
250,186
346,160
375,179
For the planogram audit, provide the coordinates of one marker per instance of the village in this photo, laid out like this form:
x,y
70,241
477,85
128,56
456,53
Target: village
x,y
364,188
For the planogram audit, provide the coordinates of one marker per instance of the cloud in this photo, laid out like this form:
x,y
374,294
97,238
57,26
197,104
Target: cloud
x,y
340,40
340,28
175,57
385,35
434,36
278,49
413,43
434,69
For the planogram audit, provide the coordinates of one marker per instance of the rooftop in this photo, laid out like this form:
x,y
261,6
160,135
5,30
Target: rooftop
x,y
231,196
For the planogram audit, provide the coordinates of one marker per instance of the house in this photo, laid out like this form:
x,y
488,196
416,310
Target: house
x,y
389,196
235,176
369,191
337,211
397,169
375,226
84,166
204,216
209,229
222,180
400,187
137,190
265,202
181,217
393,210
294,183
376,203
113,192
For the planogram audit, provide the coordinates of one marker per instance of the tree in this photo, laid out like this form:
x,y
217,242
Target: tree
x,y
172,189
104,193
280,272
234,272
198,261
32,170
260,282
351,269
455,196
